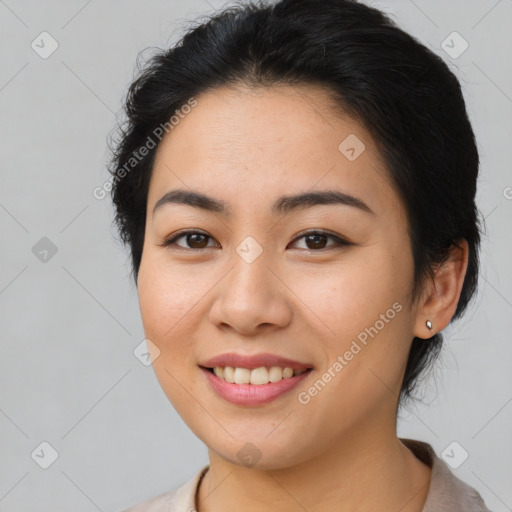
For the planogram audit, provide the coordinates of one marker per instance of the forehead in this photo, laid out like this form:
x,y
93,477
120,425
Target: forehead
x,y
251,144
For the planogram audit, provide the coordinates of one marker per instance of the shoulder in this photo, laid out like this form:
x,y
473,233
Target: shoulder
x,y
447,492
181,499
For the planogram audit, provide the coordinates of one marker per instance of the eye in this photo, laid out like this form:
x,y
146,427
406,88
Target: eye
x,y
196,240
316,240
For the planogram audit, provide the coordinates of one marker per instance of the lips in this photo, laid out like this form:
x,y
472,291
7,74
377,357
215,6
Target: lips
x,y
254,361
250,395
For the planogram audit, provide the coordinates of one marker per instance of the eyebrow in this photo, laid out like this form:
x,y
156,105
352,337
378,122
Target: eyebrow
x,y
282,205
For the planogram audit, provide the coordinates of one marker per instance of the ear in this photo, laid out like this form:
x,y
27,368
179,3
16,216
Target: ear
x,y
441,295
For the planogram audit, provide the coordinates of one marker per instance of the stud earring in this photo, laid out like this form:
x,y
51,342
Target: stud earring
x,y
429,325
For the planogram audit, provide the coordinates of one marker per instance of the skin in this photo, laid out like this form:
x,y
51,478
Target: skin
x,y
339,451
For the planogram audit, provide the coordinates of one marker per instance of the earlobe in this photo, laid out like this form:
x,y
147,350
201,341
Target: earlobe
x,y
439,302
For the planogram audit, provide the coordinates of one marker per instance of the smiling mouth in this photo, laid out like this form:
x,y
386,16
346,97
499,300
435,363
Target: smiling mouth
x,y
257,376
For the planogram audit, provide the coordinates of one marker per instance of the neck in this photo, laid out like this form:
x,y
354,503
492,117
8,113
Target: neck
x,y
363,471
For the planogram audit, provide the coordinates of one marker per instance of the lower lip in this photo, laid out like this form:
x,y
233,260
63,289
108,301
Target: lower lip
x,y
252,394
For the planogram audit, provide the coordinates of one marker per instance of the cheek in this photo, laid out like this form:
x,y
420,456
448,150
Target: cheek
x,y
168,302
351,294
167,297
365,318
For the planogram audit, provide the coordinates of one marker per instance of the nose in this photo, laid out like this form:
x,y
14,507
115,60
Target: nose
x,y
252,297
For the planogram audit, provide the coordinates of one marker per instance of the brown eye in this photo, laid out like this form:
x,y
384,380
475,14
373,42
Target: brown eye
x,y
193,240
197,240
317,240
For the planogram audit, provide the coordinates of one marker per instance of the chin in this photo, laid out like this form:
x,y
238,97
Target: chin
x,y
259,452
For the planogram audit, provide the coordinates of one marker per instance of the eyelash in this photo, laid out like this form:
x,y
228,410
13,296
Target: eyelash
x,y
339,242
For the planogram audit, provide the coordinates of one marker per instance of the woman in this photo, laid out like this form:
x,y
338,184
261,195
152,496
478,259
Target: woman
x,y
296,183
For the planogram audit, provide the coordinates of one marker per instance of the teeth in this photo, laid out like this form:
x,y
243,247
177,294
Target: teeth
x,y
257,376
242,376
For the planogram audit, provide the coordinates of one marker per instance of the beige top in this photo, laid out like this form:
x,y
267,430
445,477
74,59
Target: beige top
x,y
446,494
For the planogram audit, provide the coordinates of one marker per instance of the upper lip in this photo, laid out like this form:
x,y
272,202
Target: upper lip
x,y
253,361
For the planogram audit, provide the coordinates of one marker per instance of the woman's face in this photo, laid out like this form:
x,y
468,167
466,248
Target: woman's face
x,y
256,280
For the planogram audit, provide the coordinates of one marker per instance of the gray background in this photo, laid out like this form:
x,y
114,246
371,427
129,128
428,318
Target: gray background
x,y
70,324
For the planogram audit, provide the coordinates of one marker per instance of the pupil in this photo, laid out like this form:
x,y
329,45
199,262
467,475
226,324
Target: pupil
x,y
196,235
315,242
